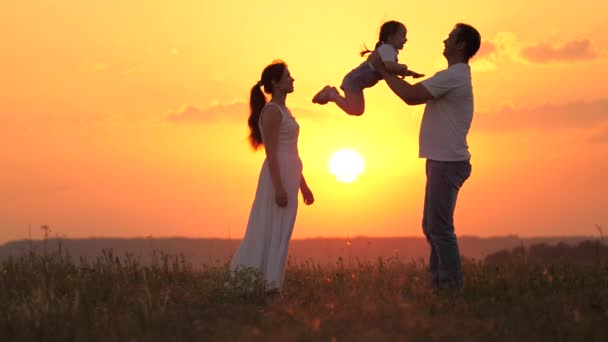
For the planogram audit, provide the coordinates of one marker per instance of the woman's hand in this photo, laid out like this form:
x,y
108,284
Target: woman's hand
x,y
280,197
307,195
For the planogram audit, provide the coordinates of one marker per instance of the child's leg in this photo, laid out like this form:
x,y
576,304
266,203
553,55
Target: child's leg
x,y
353,102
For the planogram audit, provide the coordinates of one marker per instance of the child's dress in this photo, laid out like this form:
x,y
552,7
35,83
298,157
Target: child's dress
x,y
364,76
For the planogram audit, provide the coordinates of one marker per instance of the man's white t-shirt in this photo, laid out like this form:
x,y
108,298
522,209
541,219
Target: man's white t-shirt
x,y
447,117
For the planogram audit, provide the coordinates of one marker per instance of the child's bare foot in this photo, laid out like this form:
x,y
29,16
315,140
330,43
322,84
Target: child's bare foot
x,y
323,96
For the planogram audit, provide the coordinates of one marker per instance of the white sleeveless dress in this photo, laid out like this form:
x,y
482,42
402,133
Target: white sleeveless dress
x,y
269,228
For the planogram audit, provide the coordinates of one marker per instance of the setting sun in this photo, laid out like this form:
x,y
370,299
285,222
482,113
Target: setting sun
x,y
346,165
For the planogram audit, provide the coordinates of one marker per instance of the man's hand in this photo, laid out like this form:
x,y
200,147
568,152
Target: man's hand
x,y
413,74
410,94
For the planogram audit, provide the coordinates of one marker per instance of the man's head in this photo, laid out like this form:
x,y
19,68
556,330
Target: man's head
x,y
463,42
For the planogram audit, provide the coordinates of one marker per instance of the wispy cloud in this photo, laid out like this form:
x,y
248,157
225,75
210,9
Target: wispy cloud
x,y
503,47
136,69
92,67
600,137
110,68
506,46
574,115
485,58
236,110
305,113
487,48
571,51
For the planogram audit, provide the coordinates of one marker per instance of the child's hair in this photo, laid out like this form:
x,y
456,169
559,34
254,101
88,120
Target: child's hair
x,y
257,99
387,29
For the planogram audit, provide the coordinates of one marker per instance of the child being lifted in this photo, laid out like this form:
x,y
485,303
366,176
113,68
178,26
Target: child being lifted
x,y
393,36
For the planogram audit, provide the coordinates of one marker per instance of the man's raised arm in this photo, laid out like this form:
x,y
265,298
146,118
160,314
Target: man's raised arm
x,y
411,94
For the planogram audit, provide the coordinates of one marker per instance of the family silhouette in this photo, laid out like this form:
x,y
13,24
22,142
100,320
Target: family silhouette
x,y
448,113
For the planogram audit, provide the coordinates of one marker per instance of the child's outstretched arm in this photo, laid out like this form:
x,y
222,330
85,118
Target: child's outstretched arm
x,y
398,69
411,94
395,68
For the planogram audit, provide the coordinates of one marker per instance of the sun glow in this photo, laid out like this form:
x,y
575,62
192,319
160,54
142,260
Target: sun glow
x,y
346,165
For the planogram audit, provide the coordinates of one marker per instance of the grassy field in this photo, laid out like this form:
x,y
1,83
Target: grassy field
x,y
115,298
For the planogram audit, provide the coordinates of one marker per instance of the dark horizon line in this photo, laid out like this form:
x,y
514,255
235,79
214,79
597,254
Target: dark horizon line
x,y
516,236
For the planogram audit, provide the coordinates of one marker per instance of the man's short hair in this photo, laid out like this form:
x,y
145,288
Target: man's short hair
x,y
471,37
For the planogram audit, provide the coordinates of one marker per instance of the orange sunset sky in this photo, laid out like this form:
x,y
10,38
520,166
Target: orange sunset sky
x,y
128,118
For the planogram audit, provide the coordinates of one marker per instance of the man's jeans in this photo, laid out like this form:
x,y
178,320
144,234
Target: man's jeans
x,y
443,180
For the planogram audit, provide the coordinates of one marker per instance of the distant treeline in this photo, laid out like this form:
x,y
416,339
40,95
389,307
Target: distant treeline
x,y
588,251
321,250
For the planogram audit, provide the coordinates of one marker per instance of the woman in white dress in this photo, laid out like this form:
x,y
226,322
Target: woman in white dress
x,y
274,208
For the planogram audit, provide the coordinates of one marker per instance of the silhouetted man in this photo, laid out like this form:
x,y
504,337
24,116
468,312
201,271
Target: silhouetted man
x,y
448,113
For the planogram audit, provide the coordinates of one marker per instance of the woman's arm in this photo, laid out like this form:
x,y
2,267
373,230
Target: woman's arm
x,y
271,119
306,192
